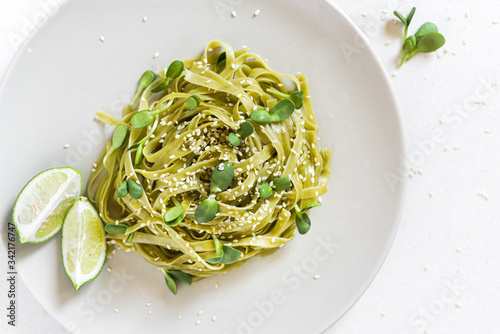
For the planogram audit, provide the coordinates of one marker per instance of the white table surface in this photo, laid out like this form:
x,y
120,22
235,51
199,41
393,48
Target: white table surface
x,y
443,272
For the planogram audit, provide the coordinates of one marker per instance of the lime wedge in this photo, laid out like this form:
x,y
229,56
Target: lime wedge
x,y
43,203
83,246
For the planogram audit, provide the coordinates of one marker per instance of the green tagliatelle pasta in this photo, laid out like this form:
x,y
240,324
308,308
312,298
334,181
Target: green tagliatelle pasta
x,y
181,148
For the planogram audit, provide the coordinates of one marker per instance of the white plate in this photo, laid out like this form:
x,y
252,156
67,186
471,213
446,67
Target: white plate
x,y
64,74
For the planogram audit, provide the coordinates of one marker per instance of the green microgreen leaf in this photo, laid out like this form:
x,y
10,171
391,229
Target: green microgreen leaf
x,y
161,86
146,79
180,276
303,222
173,215
245,130
142,119
260,116
219,252
406,21
122,190
135,190
309,207
401,17
222,177
282,110
133,146
428,43
129,238
231,255
297,99
425,29
175,69
206,210
408,47
119,136
410,16
280,184
265,190
170,281
234,139
116,228
220,63
193,102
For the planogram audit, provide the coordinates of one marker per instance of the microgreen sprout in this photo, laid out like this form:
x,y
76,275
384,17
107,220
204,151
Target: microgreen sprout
x,y
122,190
173,215
234,139
206,211
426,39
220,63
129,188
223,254
192,102
428,43
280,184
296,97
134,189
245,130
260,116
140,145
265,190
221,179
175,275
161,86
120,135
170,281
180,276
219,252
302,220
116,228
281,111
146,79
174,70
143,118
406,20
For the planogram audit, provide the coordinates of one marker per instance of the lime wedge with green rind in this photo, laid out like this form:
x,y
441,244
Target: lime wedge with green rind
x,y
43,203
83,244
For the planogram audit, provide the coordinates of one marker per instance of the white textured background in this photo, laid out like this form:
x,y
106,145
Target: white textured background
x,y
443,272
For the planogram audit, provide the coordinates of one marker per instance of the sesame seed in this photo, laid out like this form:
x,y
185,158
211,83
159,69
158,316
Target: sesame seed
x,y
233,13
67,146
382,314
216,285
197,322
364,14
256,13
458,249
109,269
316,277
116,310
102,39
144,19
458,305
179,317
214,318
200,312
156,55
